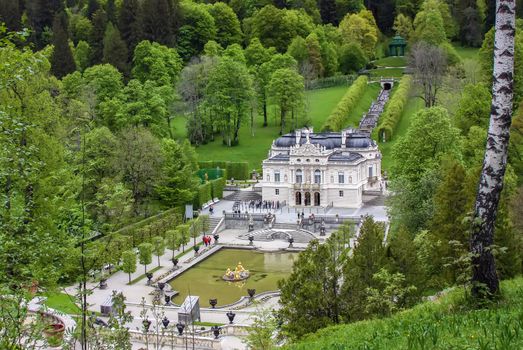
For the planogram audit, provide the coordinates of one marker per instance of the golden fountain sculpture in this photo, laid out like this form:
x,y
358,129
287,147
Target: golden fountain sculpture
x,y
239,274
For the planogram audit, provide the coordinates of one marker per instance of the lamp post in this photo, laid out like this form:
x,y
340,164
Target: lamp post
x,y
230,316
213,302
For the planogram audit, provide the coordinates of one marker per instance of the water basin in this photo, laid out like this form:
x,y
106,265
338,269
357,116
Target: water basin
x,y
205,278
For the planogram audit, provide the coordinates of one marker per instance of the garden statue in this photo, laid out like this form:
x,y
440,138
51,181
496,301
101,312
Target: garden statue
x,y
239,274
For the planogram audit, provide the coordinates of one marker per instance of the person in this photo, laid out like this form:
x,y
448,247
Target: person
x,y
211,209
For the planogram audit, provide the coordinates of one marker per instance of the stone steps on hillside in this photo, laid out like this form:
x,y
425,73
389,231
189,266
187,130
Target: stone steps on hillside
x,y
245,196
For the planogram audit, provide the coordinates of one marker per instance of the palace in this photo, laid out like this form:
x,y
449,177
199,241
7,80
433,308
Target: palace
x,y
322,169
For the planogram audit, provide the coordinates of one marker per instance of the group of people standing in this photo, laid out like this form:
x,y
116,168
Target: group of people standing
x,y
207,240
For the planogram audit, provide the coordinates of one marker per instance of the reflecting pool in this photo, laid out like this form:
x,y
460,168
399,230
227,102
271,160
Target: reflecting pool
x,y
205,278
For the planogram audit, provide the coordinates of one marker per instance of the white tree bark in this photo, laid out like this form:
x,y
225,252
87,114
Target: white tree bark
x,y
495,160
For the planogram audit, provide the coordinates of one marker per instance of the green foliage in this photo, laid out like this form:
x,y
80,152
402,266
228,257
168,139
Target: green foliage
x,y
228,28
204,194
337,120
156,63
260,333
62,61
234,170
158,247
145,251
197,29
129,262
474,107
361,29
115,49
352,58
403,26
442,324
286,88
217,187
391,116
429,27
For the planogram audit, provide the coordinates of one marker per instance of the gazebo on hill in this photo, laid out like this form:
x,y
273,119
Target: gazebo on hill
x,y
397,46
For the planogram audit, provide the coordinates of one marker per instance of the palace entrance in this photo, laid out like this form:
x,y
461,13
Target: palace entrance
x,y
298,198
316,199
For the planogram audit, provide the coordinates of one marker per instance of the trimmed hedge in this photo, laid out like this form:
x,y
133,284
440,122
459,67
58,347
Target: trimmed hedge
x,y
217,187
236,170
337,120
394,109
203,195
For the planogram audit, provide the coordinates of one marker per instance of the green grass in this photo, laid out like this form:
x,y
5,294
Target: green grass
x,y
386,72
391,61
141,277
61,302
413,105
370,94
445,324
466,52
253,149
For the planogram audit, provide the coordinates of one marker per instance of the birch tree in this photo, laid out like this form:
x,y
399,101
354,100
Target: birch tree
x,y
485,278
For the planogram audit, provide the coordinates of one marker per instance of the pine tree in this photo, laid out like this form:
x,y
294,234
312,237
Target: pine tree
x,y
158,24
110,9
115,50
11,14
359,270
92,7
130,24
40,14
62,60
328,11
97,36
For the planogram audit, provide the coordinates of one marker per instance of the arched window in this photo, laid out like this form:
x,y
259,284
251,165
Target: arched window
x,y
317,176
299,176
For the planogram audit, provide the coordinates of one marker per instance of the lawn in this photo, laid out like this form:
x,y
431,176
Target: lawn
x,y
466,52
61,302
448,323
370,94
386,72
391,61
413,105
254,148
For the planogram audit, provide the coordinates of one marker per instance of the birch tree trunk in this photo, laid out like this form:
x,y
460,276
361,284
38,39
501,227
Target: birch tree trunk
x,y
495,160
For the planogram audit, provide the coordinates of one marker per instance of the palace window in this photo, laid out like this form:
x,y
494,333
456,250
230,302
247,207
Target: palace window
x,y
277,176
299,176
277,191
317,176
341,193
341,178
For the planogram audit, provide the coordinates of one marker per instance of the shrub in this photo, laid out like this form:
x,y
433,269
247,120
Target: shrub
x,y
394,109
203,195
217,187
337,120
236,170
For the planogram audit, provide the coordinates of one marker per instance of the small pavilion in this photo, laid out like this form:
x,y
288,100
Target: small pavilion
x,y
397,46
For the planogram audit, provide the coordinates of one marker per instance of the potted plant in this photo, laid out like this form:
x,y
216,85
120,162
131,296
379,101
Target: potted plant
x,y
54,334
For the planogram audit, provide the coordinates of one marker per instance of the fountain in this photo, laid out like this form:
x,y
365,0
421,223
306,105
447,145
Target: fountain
x,y
239,274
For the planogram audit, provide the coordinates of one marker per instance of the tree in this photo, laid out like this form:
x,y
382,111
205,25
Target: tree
x,y
286,88
178,184
110,9
195,229
145,251
172,240
474,107
62,61
260,333
40,16
352,58
183,231
130,24
115,50
138,161
129,262
360,28
205,223
11,14
82,55
228,95
429,27
484,276
158,247
328,11
158,21
403,26
314,55
114,203
429,64
157,63
198,27
228,29
97,36
315,281
92,7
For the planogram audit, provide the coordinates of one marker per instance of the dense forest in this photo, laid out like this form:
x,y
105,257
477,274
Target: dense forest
x,y
89,90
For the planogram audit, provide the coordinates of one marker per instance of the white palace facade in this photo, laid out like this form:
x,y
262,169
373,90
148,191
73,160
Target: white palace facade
x,y
322,169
